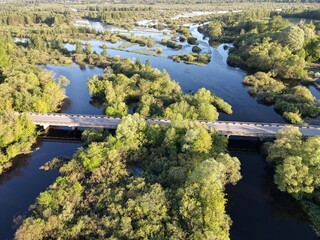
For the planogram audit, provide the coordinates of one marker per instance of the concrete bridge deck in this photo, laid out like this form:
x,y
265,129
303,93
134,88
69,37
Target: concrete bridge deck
x,y
249,129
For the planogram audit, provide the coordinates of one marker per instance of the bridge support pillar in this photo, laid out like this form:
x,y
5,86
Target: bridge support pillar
x,y
45,127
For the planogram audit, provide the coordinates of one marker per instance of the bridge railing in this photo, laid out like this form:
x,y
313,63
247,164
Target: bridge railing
x,y
259,124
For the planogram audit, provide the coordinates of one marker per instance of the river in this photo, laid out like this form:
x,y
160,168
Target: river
x,y
20,186
217,76
257,208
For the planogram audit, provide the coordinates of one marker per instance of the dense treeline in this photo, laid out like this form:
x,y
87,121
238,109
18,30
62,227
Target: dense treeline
x,y
277,50
24,88
313,14
228,27
14,19
128,17
293,102
146,182
17,134
133,85
297,169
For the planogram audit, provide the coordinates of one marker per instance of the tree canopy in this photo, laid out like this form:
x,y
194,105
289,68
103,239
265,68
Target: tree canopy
x,y
145,182
297,162
151,93
297,169
24,88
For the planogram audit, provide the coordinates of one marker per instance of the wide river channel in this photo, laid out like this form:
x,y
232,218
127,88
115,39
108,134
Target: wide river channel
x,y
258,210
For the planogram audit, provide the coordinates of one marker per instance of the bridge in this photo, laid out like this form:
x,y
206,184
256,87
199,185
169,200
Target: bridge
x,y
226,128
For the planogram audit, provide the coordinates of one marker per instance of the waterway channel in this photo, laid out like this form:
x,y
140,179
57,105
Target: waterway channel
x,y
257,208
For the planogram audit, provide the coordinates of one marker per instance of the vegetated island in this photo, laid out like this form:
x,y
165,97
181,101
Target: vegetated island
x,y
278,52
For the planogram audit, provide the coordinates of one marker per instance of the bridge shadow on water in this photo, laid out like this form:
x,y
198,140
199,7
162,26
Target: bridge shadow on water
x,y
62,134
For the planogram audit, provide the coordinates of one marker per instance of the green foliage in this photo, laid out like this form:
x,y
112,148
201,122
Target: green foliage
x,y
178,192
150,93
270,56
293,176
196,49
30,89
142,41
293,117
297,169
93,135
215,30
203,189
24,88
4,57
17,134
135,85
293,38
192,41
171,44
297,162
277,23
313,211
273,46
292,102
202,106
193,58
312,48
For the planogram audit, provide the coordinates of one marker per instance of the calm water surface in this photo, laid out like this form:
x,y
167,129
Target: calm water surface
x,y
20,186
79,99
257,208
217,76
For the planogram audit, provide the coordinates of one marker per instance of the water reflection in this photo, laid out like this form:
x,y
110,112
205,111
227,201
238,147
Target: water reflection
x,y
79,99
258,210
20,186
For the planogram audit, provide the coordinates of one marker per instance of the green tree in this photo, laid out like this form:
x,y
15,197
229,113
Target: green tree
x,y
293,38
79,48
88,49
17,134
4,57
297,162
215,29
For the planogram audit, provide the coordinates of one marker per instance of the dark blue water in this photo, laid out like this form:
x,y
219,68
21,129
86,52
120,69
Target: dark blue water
x,y
256,207
217,76
20,186
79,99
260,211
316,93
